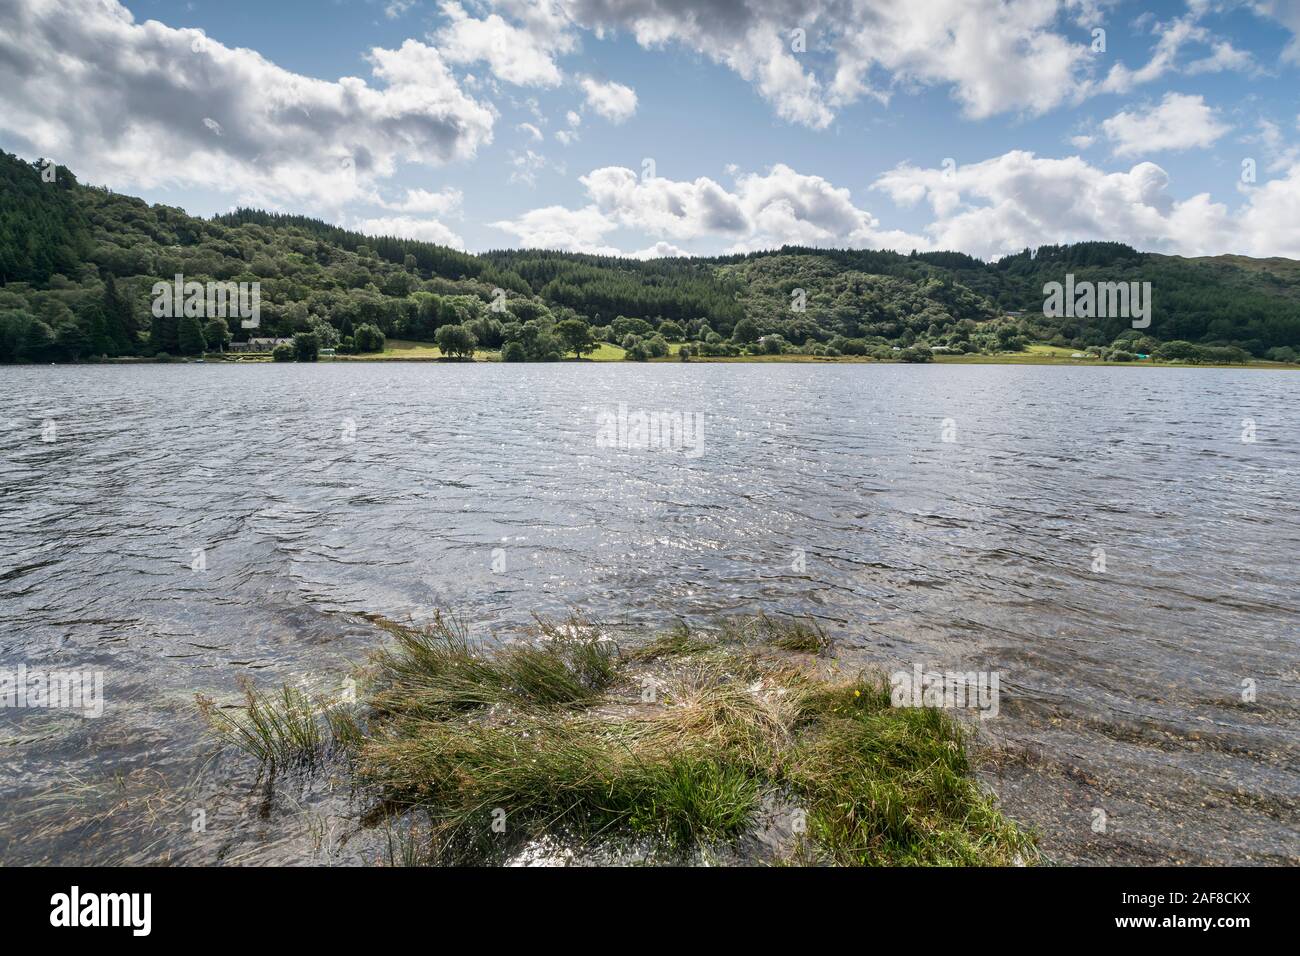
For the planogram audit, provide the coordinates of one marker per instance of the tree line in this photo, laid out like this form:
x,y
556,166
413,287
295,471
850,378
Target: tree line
x,y
77,265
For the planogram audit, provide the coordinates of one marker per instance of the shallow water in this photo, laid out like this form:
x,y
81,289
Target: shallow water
x,y
311,495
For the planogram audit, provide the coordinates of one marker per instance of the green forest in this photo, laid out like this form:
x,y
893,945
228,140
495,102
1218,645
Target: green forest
x,y
78,265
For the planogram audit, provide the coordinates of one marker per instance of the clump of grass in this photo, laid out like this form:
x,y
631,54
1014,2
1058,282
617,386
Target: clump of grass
x,y
680,641
692,799
556,743
793,634
575,778
892,785
730,724
281,727
783,633
437,671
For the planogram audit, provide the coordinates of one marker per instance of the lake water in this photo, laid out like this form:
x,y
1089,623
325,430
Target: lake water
x,y
1102,538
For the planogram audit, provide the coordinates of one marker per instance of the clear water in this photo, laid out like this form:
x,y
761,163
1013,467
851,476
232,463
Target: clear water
x,y
313,495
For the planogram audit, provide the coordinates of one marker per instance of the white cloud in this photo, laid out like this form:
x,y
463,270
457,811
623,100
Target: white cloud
x,y
778,207
126,102
531,130
397,8
545,20
614,101
516,55
1269,225
409,227
525,166
442,203
987,209
1173,37
1018,200
1278,153
664,207
783,206
1179,122
1287,13
660,250
995,55
568,230
1223,56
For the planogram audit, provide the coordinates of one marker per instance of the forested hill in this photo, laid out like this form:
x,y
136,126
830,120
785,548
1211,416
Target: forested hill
x,y
77,265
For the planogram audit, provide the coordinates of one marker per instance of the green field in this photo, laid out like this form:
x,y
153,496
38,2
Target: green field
x,y
402,350
1055,355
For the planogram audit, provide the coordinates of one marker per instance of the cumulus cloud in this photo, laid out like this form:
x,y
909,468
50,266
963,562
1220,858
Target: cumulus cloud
x,y
1179,122
988,209
765,210
995,55
1019,200
568,230
783,206
442,203
1269,224
614,101
664,207
519,55
409,227
129,104
660,250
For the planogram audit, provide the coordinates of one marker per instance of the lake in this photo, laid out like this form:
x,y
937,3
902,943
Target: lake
x,y
1121,546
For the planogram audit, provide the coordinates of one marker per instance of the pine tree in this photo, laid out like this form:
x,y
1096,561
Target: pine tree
x,y
119,319
163,335
189,336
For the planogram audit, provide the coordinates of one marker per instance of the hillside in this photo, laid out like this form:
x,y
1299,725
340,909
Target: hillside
x,y
77,265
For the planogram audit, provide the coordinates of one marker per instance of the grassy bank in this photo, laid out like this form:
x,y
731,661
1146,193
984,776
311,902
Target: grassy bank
x,y
400,350
737,744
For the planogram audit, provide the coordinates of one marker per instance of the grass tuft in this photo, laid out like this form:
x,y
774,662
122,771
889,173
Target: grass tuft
x,y
684,745
893,785
680,641
284,727
438,672
793,634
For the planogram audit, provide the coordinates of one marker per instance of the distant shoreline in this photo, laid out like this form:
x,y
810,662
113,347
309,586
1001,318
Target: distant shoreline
x,y
1010,358
405,350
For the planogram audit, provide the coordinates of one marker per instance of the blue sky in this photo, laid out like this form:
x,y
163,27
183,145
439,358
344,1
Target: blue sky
x,y
971,124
